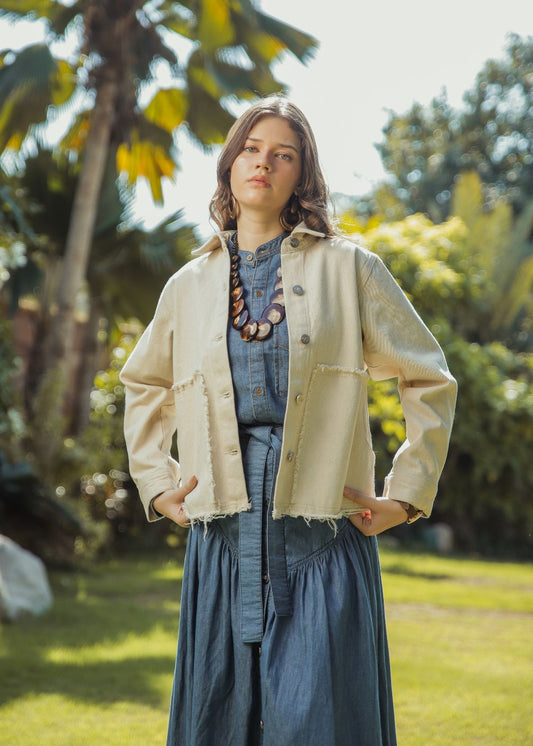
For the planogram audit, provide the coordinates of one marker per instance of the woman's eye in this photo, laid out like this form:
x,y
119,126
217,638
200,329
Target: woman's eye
x,y
250,148
285,156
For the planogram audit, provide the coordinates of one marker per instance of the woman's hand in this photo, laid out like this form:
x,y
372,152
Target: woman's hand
x,y
170,503
380,513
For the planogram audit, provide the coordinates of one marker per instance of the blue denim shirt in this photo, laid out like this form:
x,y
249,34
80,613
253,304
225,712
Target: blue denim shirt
x,y
260,372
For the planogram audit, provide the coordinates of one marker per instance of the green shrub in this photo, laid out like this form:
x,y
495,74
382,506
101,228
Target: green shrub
x,y
486,486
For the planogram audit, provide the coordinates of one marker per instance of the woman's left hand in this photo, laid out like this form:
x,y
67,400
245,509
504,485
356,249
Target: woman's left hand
x,y
379,515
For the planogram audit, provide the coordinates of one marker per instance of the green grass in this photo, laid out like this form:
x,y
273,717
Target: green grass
x,y
461,650
97,670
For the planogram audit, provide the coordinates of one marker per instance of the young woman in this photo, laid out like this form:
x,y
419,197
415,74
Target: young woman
x,y
258,356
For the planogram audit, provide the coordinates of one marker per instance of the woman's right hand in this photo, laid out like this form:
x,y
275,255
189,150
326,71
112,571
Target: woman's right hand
x,y
170,503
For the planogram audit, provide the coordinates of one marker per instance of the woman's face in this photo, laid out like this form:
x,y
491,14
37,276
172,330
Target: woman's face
x,y
267,171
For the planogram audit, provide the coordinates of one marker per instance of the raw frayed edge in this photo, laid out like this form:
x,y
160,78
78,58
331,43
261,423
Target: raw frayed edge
x,y
331,520
332,523
205,520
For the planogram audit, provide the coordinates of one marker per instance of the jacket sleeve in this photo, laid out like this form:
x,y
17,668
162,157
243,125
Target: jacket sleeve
x,y
397,344
150,417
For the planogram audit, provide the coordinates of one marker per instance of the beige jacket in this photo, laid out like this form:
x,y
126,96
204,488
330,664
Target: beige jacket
x,y
352,320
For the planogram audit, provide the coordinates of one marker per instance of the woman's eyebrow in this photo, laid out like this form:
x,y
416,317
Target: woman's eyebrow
x,y
279,144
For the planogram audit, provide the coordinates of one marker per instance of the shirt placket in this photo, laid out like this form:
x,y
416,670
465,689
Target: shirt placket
x,y
258,293
262,573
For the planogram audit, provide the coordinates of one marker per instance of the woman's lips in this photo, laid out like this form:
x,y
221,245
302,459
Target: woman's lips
x,y
258,181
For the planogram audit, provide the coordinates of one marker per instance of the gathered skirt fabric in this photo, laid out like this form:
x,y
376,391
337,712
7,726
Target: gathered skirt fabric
x,y
320,676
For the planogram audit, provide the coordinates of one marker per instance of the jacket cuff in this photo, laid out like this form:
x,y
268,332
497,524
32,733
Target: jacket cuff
x,y
149,490
420,504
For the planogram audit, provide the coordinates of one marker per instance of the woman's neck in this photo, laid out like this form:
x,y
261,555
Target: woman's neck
x,y
252,234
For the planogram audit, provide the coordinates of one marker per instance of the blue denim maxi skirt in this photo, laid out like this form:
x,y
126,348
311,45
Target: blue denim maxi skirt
x,y
291,651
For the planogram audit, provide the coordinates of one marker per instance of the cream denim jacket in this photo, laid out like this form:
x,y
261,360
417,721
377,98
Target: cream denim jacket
x,y
347,319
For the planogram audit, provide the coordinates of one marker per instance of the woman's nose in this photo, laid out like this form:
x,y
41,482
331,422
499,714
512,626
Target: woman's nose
x,y
263,161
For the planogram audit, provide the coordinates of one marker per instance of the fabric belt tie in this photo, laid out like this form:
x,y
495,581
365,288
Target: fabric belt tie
x,y
257,529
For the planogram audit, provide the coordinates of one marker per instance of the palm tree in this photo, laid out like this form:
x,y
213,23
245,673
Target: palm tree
x,y
120,44
127,271
501,247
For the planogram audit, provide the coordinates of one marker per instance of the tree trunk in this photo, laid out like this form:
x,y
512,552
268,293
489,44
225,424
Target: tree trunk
x,y
81,227
90,361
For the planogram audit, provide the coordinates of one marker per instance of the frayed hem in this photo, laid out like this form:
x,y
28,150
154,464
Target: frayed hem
x,y
329,519
205,520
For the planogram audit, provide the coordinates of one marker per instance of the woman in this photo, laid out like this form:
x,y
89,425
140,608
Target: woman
x,y
258,356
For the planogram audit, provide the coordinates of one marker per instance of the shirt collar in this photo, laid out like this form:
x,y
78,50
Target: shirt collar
x,y
219,240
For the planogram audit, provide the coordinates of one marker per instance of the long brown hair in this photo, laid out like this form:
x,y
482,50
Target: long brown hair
x,y
311,202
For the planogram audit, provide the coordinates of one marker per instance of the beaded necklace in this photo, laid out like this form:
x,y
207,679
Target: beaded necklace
x,y
241,320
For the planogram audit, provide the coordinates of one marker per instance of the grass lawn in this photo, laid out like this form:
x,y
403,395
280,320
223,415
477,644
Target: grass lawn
x,y
97,670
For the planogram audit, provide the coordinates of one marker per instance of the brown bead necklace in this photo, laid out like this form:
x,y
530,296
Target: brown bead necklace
x,y
240,316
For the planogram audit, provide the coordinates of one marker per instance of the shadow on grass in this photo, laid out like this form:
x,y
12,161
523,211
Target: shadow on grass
x,y
399,569
102,683
111,605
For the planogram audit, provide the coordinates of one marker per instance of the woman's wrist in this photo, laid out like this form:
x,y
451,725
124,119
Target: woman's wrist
x,y
152,506
412,513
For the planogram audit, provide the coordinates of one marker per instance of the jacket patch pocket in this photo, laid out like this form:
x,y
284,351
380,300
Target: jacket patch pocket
x,y
331,417
193,435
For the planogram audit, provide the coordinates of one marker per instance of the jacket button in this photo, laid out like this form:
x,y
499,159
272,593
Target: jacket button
x,y
305,339
294,242
249,257
290,456
298,289
298,398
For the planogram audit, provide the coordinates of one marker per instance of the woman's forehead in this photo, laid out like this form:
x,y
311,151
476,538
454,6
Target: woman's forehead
x,y
274,128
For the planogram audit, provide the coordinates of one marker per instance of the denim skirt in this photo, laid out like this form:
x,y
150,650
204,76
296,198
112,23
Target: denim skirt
x,y
282,637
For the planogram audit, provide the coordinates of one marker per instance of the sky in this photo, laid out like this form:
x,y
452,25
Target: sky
x,y
373,57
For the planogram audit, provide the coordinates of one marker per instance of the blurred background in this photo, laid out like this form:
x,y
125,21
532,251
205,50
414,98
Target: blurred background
x,y
112,113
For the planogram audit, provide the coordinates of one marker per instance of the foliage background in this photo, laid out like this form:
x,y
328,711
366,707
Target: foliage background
x,y
453,222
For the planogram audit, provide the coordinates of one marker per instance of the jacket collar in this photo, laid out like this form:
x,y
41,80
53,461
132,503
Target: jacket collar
x,y
218,240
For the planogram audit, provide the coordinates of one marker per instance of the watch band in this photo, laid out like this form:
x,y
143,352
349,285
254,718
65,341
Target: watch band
x,y
412,513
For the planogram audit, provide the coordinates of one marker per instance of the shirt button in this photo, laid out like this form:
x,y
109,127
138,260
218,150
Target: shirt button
x,y
298,398
305,339
259,391
298,289
261,725
259,293
290,456
265,578
294,242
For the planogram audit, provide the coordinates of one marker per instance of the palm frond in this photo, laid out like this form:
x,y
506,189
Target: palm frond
x,y
28,85
301,45
148,155
168,108
215,25
30,9
207,120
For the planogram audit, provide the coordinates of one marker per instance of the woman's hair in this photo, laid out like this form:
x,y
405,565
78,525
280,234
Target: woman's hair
x,y
311,202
